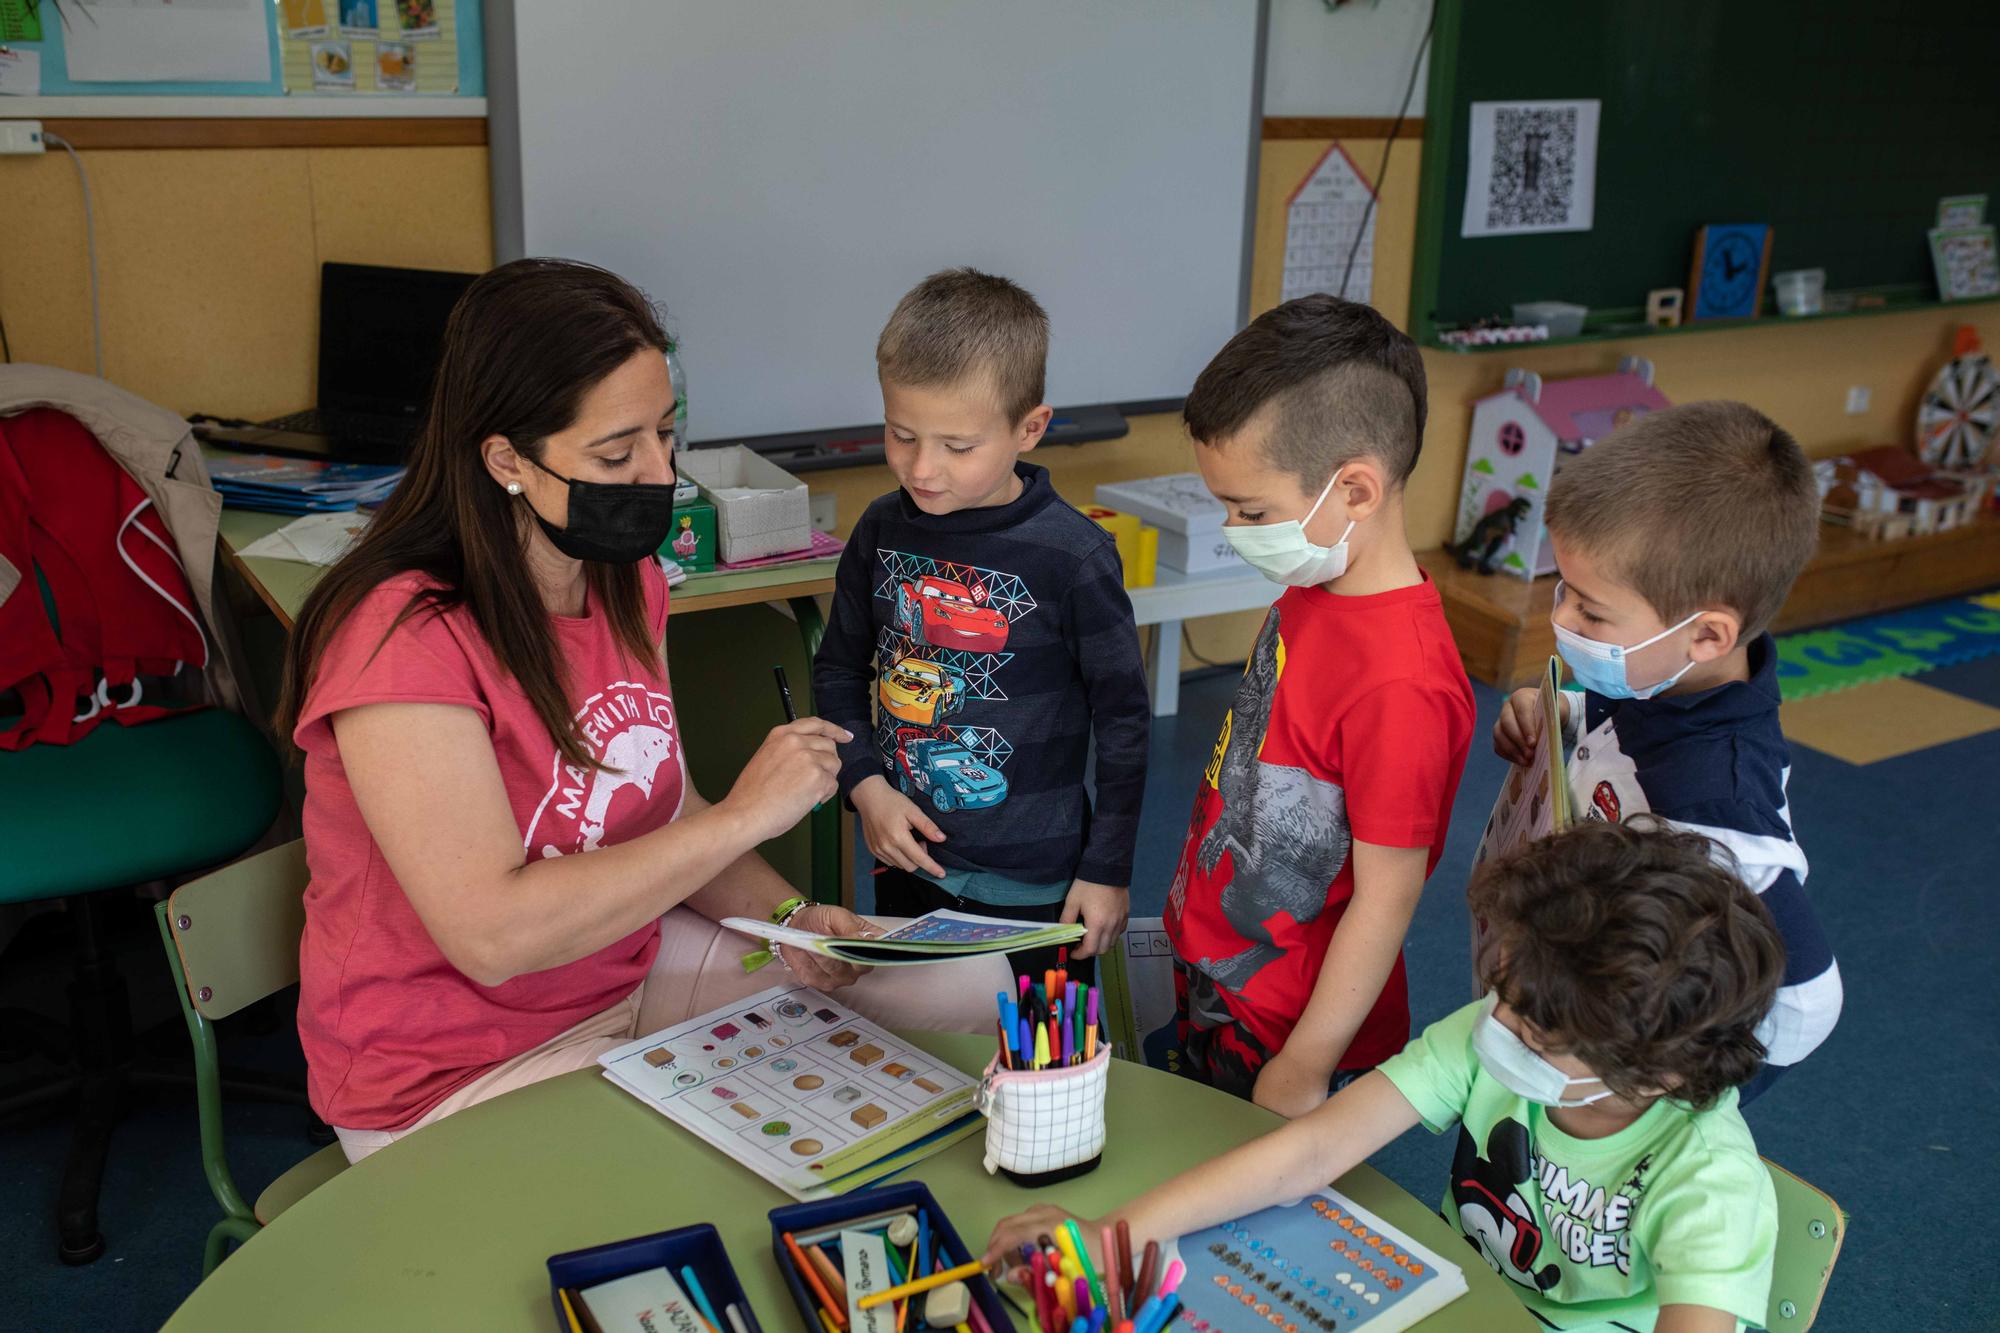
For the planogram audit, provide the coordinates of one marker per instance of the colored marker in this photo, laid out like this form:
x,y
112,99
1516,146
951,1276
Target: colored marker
x,y
1082,1252
1113,1310
1149,1268
1126,1276
1172,1281
1041,1048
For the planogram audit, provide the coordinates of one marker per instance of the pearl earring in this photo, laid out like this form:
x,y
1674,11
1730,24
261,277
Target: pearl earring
x,y
513,488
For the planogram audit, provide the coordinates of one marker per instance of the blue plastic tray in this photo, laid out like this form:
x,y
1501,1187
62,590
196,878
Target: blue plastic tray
x,y
697,1247
827,1213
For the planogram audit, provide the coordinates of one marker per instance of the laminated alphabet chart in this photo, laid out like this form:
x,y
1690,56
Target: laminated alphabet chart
x,y
1322,1265
803,1091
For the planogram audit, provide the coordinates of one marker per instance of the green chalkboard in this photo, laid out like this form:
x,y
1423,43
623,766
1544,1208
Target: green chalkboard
x,y
1838,122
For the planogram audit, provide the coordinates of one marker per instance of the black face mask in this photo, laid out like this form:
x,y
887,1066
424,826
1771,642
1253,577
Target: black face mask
x,y
616,524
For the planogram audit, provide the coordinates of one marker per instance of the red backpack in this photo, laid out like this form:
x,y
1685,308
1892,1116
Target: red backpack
x,y
73,520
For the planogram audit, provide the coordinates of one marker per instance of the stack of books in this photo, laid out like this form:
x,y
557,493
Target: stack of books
x,y
300,485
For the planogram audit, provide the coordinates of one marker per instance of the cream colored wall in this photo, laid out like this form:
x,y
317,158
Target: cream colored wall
x,y
210,261
209,258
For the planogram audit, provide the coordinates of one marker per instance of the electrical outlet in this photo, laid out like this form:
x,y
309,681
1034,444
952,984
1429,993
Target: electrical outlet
x,y
20,136
1858,396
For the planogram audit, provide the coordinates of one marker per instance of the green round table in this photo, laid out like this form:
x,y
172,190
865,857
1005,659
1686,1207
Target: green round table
x,y
451,1228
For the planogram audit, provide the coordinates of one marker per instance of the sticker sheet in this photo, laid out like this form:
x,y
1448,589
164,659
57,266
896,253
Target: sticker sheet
x,y
1322,1265
803,1091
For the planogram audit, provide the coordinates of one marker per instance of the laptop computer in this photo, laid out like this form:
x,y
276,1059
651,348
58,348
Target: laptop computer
x,y
381,332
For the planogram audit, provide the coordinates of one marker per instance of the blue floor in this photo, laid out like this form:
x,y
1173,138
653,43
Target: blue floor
x,y
1897,1116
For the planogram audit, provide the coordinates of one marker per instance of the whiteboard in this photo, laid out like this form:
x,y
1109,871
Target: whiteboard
x,y
779,173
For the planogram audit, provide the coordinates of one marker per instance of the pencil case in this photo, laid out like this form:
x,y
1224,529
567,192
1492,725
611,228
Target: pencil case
x,y
697,1247
800,1219
1045,1126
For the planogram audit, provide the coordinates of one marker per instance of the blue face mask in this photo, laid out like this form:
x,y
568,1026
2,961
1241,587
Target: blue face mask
x,y
1600,667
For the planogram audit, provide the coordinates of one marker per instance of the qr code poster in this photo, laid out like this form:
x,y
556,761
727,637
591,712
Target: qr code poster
x,y
1533,168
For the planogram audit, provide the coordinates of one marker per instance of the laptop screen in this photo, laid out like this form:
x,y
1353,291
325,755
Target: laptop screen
x,y
381,331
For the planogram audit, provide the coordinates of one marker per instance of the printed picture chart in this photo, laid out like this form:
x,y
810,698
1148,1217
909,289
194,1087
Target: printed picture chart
x,y
1322,220
1316,1266
803,1091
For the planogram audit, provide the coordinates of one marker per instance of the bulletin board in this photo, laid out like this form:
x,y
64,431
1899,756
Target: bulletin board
x,y
445,59
1839,124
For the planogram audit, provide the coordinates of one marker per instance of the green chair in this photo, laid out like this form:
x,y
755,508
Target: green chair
x,y
121,807
1811,1227
232,938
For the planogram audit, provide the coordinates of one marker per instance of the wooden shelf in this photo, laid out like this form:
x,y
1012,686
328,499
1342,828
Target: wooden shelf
x,y
1501,623
1625,326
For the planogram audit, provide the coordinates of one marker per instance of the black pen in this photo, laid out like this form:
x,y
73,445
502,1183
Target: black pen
x,y
785,694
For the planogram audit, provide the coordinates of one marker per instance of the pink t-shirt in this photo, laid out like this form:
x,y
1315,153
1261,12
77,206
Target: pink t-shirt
x,y
388,1025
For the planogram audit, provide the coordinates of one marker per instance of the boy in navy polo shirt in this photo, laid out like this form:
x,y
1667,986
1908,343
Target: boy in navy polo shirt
x,y
1677,539
985,620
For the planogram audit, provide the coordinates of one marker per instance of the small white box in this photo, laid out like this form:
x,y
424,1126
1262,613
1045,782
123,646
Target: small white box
x,y
760,509
1197,553
1188,517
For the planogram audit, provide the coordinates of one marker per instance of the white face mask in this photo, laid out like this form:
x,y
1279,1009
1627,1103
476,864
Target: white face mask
x,y
1282,554
1601,667
1520,1070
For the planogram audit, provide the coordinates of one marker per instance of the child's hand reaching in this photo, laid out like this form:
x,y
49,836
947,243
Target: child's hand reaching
x,y
1518,733
1003,1249
895,828
1102,909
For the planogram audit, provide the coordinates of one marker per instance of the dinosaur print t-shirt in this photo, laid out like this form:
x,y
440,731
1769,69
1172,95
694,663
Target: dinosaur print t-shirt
x,y
1352,722
1674,1209
388,1025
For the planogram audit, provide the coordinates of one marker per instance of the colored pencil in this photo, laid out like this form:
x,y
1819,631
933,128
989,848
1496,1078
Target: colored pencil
x,y
915,1285
569,1310
836,1285
693,1285
828,1309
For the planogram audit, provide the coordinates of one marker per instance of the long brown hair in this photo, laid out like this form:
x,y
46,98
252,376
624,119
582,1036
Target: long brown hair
x,y
523,346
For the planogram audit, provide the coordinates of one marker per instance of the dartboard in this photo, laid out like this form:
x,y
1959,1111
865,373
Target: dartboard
x,y
1956,420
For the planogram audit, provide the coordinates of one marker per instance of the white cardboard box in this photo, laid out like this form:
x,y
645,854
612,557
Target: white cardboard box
x,y
1188,517
760,509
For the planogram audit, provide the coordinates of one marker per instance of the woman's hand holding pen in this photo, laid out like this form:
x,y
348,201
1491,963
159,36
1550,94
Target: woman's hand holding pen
x,y
793,770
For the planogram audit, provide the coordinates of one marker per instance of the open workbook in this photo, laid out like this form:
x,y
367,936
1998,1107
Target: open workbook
x,y
934,937
1322,1265
802,1090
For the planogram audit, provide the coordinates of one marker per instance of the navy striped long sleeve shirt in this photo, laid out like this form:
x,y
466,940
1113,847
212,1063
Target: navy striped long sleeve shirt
x,y
1715,762
975,655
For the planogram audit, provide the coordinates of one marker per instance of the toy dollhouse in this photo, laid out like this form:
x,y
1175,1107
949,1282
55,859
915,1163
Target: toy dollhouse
x,y
1889,493
1522,434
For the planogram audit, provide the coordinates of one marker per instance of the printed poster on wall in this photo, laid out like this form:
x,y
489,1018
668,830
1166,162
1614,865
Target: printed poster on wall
x,y
1533,168
1330,231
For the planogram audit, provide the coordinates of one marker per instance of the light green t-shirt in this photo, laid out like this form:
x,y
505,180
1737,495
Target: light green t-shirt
x,y
1674,1209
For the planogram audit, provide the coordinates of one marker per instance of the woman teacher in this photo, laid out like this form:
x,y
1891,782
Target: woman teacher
x,y
511,872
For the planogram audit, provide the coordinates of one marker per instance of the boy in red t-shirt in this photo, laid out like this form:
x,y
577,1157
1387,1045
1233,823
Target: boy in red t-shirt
x,y
1325,805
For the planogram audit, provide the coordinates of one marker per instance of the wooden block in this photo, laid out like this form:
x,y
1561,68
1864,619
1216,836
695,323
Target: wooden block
x,y
868,1116
946,1307
866,1054
659,1057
